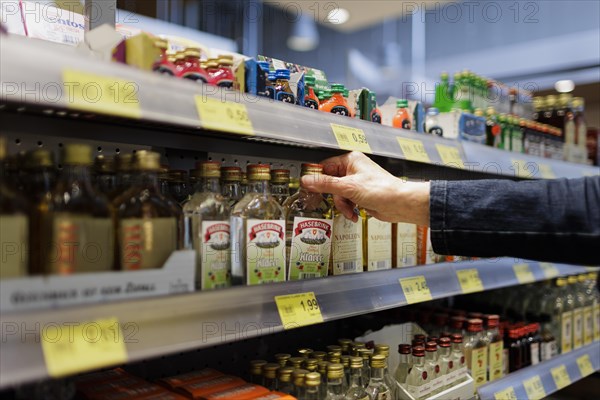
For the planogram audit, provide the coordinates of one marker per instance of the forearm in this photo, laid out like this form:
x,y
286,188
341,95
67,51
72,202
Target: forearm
x,y
557,220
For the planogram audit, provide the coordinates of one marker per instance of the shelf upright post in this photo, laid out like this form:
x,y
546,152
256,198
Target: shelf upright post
x,y
100,12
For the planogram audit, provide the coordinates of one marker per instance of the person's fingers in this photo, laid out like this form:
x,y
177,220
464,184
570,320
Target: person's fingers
x,y
336,166
324,184
346,207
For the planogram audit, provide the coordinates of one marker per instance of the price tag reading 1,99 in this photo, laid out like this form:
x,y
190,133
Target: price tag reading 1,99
x,y
413,150
298,310
224,116
415,289
349,138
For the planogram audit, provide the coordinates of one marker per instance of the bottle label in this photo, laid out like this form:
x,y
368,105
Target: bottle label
x,y
597,321
213,254
384,395
549,350
437,383
265,251
505,365
379,244
419,391
577,328
311,103
346,246
406,245
479,365
14,240
570,132
535,353
588,325
146,243
310,248
80,244
566,332
495,360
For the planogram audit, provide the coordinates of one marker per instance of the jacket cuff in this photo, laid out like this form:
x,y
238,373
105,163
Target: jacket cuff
x,y
437,216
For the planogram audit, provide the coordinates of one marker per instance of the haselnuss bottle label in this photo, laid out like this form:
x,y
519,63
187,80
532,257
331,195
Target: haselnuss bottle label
x,y
265,251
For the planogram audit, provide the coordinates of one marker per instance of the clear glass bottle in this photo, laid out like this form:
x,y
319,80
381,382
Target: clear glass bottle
x,y
384,350
207,219
256,372
356,390
299,377
244,184
495,346
458,357
280,184
418,379
366,370
377,389
41,174
231,184
578,309
269,372
345,344
404,363
433,367
476,351
566,300
432,124
15,227
312,381
445,360
258,233
75,213
147,225
322,370
284,380
308,230
549,346
105,174
335,378
345,360
282,358
124,167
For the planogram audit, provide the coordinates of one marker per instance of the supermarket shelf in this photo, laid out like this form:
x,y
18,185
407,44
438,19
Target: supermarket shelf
x,y
170,324
523,379
170,103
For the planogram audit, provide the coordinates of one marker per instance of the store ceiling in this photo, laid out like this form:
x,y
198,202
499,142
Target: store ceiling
x,y
363,13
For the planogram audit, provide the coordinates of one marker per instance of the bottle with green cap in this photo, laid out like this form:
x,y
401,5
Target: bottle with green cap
x,y
337,103
14,226
443,96
402,118
147,225
310,98
75,219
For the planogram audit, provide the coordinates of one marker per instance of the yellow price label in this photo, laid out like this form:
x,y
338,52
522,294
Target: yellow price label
x,y
469,280
72,348
546,171
349,138
298,310
549,270
506,394
413,150
523,273
101,94
224,116
521,168
585,365
415,289
450,156
561,376
534,388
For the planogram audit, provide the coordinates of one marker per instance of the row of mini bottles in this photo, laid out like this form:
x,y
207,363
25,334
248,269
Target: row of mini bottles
x,y
564,112
348,371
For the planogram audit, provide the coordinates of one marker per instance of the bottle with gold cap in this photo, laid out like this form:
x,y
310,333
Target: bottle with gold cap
x,y
356,386
231,188
270,375
580,123
377,389
298,378
192,69
14,227
223,76
296,362
366,370
280,184
124,176
319,355
312,381
282,358
322,370
256,371
147,225
105,174
384,350
311,364
578,306
345,360
305,353
258,232
207,219
75,213
284,380
163,64
335,388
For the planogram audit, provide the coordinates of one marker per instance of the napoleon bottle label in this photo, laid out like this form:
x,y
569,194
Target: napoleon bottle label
x,y
14,234
265,251
379,244
346,246
310,248
146,243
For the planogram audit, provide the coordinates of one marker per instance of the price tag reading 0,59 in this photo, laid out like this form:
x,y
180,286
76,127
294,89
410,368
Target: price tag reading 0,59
x,y
349,138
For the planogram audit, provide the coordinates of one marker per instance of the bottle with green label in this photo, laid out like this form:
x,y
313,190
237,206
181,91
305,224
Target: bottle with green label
x,y
76,228
14,227
258,232
207,219
147,225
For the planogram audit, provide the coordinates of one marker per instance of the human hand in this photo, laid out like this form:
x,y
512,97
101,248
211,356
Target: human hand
x,y
355,180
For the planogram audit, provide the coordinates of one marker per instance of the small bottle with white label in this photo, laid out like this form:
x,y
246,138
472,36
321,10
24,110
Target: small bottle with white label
x,y
433,367
377,243
258,232
458,357
384,350
280,184
207,220
418,379
578,311
445,361
346,244
403,363
565,299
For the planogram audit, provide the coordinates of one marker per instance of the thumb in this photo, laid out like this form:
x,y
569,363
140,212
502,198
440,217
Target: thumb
x,y
325,184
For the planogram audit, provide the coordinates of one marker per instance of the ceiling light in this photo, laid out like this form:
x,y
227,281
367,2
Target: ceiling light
x,y
338,16
305,36
564,86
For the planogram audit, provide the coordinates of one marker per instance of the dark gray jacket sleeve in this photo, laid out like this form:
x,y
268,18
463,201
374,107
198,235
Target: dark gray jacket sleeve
x,y
547,220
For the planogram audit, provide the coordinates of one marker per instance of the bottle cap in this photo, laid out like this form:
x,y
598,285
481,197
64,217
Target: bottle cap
x,y
490,111
456,338
298,376
418,351
310,364
457,322
2,148
356,362
212,63
344,343
404,348
334,356
444,75
192,52
124,162
322,367
345,360
77,154
231,174
296,362
319,355
444,342
432,339
258,172
346,93
572,279
514,333
225,62
383,349
284,374
271,76
337,88
256,366
335,371
282,176
432,111
378,361
491,320
365,354
334,348
282,74
402,103
312,379
207,169
282,358
418,342
431,346
270,370
309,81
478,112
474,325
264,65
43,158
419,336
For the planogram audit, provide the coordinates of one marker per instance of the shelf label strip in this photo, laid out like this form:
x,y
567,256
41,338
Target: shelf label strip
x,y
299,309
534,388
523,273
469,280
549,269
450,156
415,289
561,376
413,150
506,394
225,116
352,139
585,365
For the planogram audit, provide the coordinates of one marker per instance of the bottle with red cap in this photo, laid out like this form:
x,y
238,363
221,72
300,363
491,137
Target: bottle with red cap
x,y
192,68
418,379
433,367
535,341
458,357
515,353
445,361
476,351
223,75
163,64
495,346
457,324
404,364
440,320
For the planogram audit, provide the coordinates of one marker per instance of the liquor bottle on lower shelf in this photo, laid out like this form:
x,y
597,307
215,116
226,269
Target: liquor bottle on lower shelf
x,y
445,359
284,380
14,227
75,213
476,351
105,174
356,390
345,360
231,189
312,381
384,350
147,225
298,378
207,221
282,358
515,352
418,379
335,387
366,370
433,367
578,309
565,298
377,389
495,347
458,357
269,371
322,370
309,228
404,363
280,181
258,233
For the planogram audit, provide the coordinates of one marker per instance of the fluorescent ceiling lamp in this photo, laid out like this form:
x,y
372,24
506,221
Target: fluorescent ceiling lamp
x,y
338,16
305,36
564,86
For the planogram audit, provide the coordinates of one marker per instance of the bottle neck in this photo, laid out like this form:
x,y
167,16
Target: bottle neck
x,y
444,351
431,355
232,189
403,359
418,361
261,187
377,374
356,377
77,176
334,386
280,188
209,185
310,393
147,180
